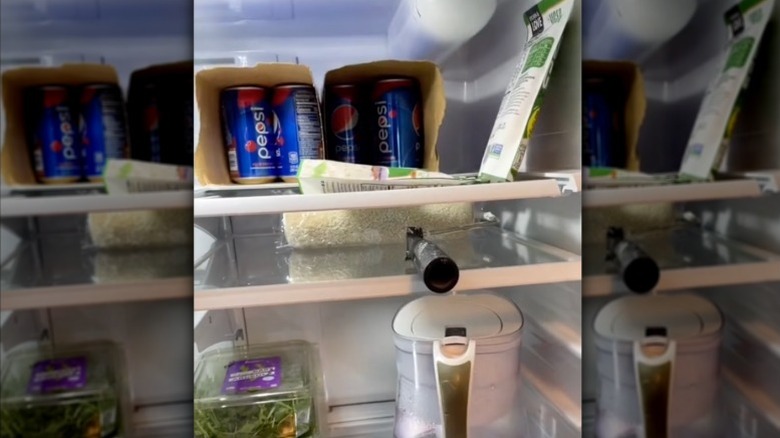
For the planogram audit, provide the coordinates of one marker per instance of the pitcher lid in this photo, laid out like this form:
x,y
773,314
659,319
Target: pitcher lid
x,y
682,316
484,317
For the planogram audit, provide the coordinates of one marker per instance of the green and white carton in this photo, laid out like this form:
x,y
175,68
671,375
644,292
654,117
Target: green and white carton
x,y
545,22
325,176
711,135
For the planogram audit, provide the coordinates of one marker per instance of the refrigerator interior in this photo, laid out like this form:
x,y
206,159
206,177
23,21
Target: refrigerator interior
x,y
356,348
47,254
678,47
476,63
727,250
728,235
237,257
354,336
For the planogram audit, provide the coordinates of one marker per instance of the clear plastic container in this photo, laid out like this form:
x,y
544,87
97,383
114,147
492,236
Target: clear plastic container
x,y
265,391
78,391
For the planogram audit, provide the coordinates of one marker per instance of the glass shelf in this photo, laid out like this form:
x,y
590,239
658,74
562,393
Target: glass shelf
x,y
688,257
62,269
259,270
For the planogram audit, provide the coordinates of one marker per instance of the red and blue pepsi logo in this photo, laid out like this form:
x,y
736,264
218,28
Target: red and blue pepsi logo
x,y
343,121
281,95
278,131
417,119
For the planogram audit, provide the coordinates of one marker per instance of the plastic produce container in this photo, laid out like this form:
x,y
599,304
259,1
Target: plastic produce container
x,y
77,391
264,391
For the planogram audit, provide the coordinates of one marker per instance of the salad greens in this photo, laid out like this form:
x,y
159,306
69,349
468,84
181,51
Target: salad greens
x,y
290,418
286,411
75,418
89,409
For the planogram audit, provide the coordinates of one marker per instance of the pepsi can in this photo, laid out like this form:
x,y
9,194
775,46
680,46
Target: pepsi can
x,y
150,114
160,113
345,139
602,134
396,123
103,128
52,134
298,127
249,137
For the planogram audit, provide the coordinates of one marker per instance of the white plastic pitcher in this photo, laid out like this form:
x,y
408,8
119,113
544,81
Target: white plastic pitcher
x,y
458,360
658,366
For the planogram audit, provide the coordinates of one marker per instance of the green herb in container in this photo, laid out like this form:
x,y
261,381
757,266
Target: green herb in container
x,y
74,392
268,391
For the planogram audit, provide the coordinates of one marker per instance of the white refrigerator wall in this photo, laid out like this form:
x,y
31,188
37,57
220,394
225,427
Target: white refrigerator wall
x,y
129,35
678,46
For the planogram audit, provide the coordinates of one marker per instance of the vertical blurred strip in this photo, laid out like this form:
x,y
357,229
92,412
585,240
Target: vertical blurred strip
x,y
96,272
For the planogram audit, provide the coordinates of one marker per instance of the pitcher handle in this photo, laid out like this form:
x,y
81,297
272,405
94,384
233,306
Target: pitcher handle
x,y
654,358
453,360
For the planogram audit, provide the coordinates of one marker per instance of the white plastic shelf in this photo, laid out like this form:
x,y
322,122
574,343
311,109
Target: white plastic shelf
x,y
273,199
616,196
370,420
60,270
248,271
688,258
21,206
91,294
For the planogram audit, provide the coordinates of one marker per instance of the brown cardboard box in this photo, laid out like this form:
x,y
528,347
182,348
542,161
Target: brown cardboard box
x,y
431,87
16,166
210,159
628,79
172,84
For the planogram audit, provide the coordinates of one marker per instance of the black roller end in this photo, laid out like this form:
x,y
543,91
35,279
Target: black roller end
x,y
641,275
441,275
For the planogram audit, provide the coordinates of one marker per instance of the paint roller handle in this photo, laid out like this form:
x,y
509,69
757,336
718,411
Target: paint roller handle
x,y
440,273
639,272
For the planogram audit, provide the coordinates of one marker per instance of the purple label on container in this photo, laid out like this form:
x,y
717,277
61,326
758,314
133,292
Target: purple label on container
x,y
54,375
252,374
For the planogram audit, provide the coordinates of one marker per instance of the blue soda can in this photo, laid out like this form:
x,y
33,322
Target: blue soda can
x,y
151,125
250,142
344,126
397,127
598,129
298,126
103,128
52,134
